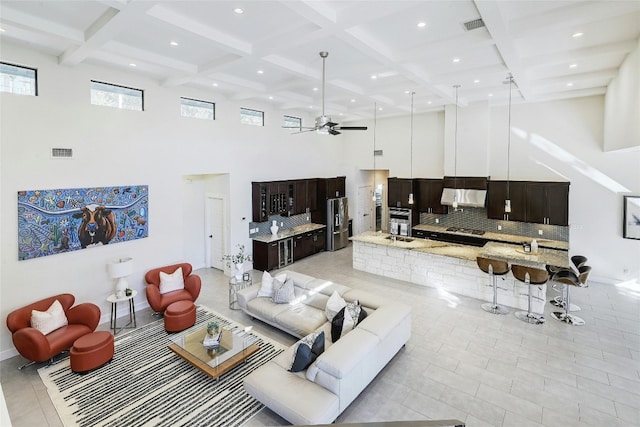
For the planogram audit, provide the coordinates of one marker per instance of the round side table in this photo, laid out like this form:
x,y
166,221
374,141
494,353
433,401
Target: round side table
x,y
234,286
114,300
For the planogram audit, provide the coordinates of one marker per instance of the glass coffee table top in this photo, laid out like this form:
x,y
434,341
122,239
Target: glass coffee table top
x,y
235,347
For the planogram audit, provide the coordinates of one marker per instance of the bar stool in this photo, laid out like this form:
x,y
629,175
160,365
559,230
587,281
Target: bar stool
x,y
493,267
569,278
530,276
560,301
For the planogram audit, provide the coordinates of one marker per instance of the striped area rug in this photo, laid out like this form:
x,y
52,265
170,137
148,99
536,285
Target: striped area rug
x,y
146,384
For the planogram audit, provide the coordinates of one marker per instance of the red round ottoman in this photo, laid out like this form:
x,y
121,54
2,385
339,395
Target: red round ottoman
x,y
91,351
179,316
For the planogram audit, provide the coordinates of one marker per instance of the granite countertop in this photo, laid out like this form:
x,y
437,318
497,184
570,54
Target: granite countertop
x,y
500,237
289,232
507,251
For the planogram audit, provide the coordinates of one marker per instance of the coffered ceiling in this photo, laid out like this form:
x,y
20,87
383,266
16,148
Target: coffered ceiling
x,y
379,51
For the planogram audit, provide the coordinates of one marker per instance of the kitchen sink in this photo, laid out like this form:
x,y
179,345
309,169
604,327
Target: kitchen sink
x,y
400,239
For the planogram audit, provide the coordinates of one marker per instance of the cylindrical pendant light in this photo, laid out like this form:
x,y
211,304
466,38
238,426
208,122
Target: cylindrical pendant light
x,y
411,149
455,154
507,202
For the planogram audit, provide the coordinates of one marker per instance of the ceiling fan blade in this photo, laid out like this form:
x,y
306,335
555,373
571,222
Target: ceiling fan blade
x,y
331,124
299,127
303,131
332,131
352,128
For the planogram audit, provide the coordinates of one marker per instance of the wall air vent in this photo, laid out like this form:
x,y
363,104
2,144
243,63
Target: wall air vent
x,y
474,24
62,153
377,152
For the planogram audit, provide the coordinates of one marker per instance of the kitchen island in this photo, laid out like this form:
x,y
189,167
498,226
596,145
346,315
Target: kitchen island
x,y
452,267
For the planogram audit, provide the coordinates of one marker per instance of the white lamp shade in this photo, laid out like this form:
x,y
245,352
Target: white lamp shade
x,y
121,267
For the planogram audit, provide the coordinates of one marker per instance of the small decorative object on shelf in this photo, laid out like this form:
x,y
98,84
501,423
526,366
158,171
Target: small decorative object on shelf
x,y
212,328
237,261
274,227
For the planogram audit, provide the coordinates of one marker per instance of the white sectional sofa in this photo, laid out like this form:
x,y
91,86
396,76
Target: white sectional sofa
x,y
345,368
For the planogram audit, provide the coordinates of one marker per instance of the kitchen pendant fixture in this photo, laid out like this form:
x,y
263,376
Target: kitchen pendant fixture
x,y
455,154
411,148
507,202
375,114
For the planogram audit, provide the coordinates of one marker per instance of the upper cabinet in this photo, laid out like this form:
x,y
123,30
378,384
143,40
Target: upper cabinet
x,y
531,201
466,182
398,192
429,194
548,203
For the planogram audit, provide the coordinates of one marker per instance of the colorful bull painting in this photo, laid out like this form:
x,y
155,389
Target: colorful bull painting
x,y
55,221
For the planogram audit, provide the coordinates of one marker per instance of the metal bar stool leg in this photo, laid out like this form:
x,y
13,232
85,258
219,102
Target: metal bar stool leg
x,y
566,316
529,316
494,307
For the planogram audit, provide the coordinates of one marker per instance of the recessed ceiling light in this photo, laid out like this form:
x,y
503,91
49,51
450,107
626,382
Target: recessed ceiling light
x,y
260,72
576,35
315,89
422,24
132,65
173,43
2,30
353,100
429,102
215,84
310,106
456,60
490,94
238,11
569,84
271,97
373,77
407,92
379,108
573,65
476,81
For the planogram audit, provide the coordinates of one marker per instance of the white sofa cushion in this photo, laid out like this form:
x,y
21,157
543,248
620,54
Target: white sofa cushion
x,y
265,309
300,319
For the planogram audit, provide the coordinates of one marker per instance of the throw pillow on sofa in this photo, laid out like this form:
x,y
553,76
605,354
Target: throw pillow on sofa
x,y
283,293
266,287
334,305
347,319
49,320
171,282
306,351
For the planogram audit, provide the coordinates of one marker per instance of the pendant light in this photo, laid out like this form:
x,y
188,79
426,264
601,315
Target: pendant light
x,y
375,114
507,202
455,154
411,148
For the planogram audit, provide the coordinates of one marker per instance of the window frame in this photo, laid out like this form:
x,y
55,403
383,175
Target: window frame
x,y
118,86
299,120
23,67
213,105
255,111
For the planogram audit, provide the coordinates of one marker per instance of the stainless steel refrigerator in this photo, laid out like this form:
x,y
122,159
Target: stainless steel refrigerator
x,y
337,223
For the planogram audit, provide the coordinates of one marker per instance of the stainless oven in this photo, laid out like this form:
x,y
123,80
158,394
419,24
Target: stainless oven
x,y
400,221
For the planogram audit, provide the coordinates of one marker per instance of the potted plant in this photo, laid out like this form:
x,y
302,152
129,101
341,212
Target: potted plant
x,y
237,260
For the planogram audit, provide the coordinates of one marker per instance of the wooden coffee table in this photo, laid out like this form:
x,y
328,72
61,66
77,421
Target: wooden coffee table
x,y
235,348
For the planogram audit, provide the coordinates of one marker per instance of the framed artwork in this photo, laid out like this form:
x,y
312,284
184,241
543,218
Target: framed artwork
x,y
62,220
631,217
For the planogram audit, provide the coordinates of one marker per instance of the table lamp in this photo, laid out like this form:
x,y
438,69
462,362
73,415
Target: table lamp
x,y
119,269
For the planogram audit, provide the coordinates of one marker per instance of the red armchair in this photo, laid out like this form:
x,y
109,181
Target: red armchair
x,y
37,347
159,302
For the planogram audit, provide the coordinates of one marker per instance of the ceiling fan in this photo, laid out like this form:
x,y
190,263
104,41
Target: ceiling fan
x,y
324,125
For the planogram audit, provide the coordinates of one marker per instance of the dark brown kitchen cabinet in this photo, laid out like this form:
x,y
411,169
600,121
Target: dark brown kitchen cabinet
x,y
498,192
303,246
265,255
466,182
300,197
260,201
398,192
312,194
319,240
335,187
428,195
548,203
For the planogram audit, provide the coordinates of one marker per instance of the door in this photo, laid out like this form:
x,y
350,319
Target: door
x,y
215,237
365,218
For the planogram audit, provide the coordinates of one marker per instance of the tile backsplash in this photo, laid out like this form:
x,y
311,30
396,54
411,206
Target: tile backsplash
x,y
287,222
476,218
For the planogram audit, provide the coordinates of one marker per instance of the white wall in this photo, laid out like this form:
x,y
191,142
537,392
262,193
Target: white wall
x,y
622,118
114,147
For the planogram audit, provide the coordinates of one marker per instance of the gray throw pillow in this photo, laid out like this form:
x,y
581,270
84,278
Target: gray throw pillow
x,y
283,293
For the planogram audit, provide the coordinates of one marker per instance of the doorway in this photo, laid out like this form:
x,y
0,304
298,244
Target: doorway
x,y
215,231
365,220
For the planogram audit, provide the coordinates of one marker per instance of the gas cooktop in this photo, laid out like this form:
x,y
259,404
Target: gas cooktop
x,y
466,230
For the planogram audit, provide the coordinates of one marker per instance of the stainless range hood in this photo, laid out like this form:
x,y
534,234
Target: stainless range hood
x,y
464,197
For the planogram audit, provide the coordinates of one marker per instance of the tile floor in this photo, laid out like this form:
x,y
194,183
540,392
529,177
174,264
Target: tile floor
x,y
461,362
